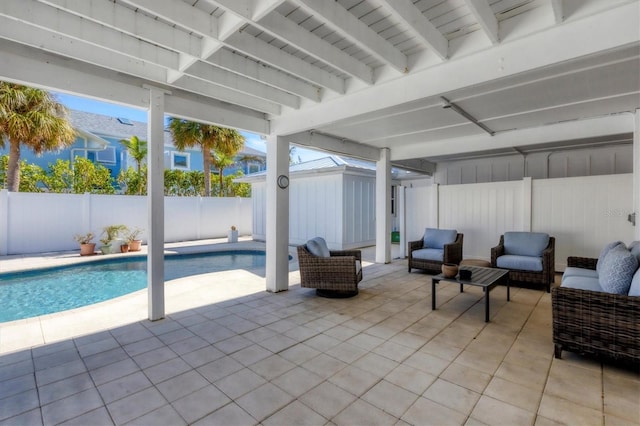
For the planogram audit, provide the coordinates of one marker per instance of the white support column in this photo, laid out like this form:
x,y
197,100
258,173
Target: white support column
x,y
636,174
277,232
155,204
383,207
401,206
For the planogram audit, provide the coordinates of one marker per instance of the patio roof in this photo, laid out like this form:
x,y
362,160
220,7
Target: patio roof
x,y
421,78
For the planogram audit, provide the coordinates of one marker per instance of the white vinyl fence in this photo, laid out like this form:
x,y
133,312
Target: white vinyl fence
x,y
582,213
36,222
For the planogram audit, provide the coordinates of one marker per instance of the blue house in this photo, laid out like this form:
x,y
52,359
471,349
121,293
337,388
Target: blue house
x,y
99,139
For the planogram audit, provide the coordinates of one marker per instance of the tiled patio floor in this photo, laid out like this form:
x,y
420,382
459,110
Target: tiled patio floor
x,y
229,353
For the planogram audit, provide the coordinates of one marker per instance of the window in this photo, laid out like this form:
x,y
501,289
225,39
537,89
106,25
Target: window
x,y
107,155
180,160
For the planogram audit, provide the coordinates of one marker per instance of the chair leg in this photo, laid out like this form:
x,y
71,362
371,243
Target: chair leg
x,y
557,350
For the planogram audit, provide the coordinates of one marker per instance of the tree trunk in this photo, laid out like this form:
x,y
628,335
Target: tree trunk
x,y
221,181
13,168
206,166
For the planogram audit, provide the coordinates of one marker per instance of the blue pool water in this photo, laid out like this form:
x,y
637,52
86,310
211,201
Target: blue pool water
x,y
44,291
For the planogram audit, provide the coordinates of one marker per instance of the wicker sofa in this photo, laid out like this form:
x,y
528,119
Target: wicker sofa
x,y
596,323
333,273
525,251
434,249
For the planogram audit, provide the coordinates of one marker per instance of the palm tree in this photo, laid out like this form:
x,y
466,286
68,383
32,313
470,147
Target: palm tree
x,y
221,161
137,149
210,138
30,117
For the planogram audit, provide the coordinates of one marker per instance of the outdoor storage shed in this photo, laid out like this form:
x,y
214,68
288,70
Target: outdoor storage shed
x,y
332,197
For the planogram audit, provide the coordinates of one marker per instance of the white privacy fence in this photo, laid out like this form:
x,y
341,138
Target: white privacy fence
x,y
31,223
582,213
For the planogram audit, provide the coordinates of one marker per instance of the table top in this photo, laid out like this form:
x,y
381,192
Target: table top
x,y
480,276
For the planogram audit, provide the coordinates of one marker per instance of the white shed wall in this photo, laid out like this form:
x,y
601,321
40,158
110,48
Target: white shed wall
x,y
359,221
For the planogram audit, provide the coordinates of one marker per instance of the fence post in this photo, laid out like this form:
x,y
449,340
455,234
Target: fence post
x,y
527,203
4,222
86,213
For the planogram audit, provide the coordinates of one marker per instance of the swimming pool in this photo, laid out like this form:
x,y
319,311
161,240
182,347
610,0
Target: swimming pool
x,y
44,291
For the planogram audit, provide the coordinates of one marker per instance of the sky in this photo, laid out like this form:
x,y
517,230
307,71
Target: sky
x,y
113,110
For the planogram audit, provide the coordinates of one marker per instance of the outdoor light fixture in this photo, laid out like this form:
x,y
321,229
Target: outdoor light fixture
x,y
283,181
448,104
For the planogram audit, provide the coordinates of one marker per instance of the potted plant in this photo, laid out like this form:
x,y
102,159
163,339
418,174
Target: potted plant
x,y
111,233
133,240
87,247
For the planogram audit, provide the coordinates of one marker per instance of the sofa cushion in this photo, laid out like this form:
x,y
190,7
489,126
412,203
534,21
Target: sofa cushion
x,y
428,254
582,283
572,271
437,238
525,243
634,290
604,252
318,247
617,270
523,263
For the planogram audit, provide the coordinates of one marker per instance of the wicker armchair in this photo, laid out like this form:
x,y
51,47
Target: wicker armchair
x,y
544,277
334,276
595,323
452,254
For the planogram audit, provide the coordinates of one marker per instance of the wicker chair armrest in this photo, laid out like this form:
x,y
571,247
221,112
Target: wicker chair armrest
x,y
415,245
453,251
496,252
340,253
582,262
549,256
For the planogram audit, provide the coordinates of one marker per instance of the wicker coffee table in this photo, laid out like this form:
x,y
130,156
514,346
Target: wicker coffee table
x,y
487,278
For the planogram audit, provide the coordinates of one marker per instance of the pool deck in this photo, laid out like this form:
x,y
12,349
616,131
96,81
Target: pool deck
x,y
228,352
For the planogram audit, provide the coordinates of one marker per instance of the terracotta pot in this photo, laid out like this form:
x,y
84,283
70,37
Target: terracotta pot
x,y
135,245
449,270
124,248
87,249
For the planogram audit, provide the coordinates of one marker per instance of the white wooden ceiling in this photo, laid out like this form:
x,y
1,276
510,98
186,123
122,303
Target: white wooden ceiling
x,y
357,74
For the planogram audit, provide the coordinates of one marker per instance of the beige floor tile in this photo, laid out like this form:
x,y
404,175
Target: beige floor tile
x,y
264,401
543,421
390,398
297,381
230,414
324,365
494,412
452,396
346,352
363,413
612,420
567,412
485,361
427,412
354,380
523,374
299,353
295,413
375,364
240,383
427,363
514,394
327,399
393,351
622,397
410,378
467,377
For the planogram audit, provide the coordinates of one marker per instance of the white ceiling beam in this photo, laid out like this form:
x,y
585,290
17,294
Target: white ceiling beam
x,y
610,29
228,60
128,21
558,10
27,65
333,144
63,45
297,36
341,20
407,12
261,8
277,58
485,17
224,78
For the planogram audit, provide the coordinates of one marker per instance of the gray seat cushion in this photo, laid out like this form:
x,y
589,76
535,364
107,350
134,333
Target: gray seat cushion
x,y
437,238
572,271
604,252
525,243
582,283
429,254
523,263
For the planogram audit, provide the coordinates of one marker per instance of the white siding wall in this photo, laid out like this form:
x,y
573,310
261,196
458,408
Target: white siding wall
x,y
259,203
47,222
359,211
582,213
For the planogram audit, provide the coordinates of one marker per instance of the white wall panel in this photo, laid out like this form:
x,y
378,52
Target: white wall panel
x,y
259,201
482,212
359,211
421,210
48,222
583,213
